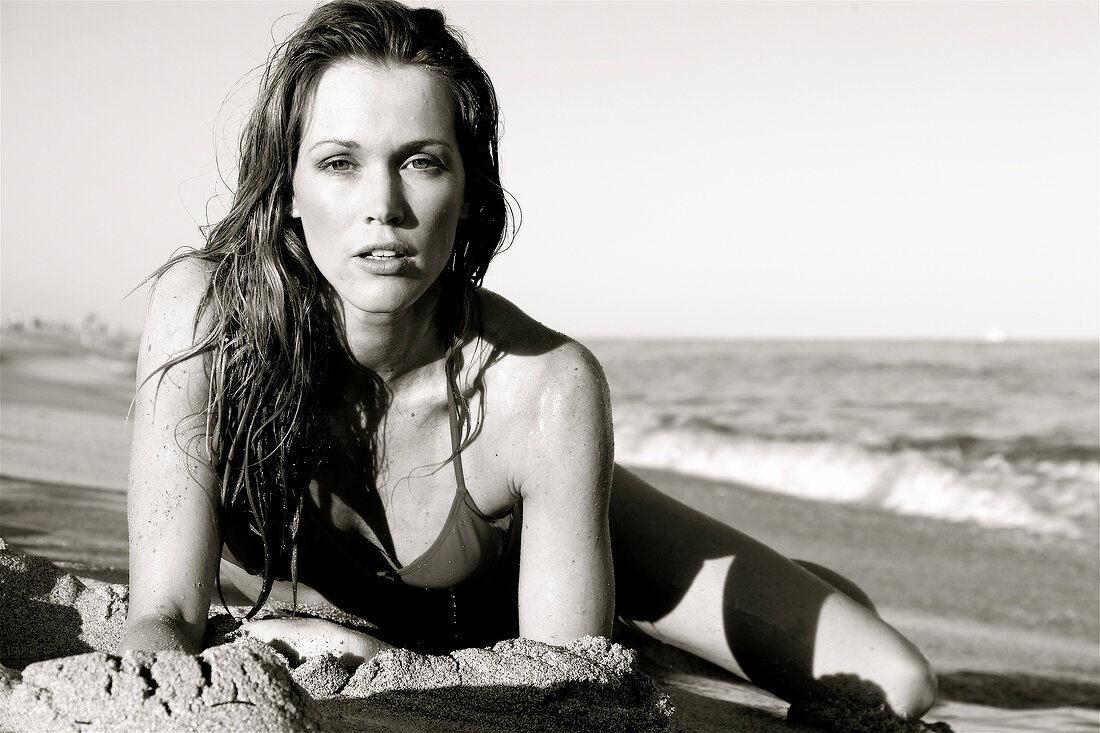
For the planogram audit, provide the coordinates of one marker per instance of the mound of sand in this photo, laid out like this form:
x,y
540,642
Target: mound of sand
x,y
50,613
58,673
589,685
226,688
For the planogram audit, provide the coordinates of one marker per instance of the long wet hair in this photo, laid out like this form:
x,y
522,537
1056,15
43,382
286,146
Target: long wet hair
x,y
268,322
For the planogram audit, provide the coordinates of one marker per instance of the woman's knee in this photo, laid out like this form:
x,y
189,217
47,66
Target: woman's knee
x,y
915,688
857,651
902,685
906,678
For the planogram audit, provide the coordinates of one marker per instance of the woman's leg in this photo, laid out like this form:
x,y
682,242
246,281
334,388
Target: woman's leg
x,y
688,580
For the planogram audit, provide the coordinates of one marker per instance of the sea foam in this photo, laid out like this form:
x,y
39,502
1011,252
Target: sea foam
x,y
1044,498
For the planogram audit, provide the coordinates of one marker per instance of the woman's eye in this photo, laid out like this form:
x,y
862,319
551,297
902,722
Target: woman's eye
x,y
337,165
424,164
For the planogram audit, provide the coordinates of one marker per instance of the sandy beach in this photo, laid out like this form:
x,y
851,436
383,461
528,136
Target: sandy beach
x,y
1010,621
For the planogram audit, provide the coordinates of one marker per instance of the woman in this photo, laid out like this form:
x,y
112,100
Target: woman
x,y
332,411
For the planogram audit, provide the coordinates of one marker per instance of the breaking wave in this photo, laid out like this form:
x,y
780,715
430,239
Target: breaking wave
x,y
1055,494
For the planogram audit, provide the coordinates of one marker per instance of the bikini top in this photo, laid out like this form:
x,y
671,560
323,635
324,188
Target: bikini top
x,y
470,543
470,546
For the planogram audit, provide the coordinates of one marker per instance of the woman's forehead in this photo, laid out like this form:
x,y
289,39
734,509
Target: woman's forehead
x,y
370,102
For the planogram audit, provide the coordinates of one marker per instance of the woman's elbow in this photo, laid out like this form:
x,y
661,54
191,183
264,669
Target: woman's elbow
x,y
161,631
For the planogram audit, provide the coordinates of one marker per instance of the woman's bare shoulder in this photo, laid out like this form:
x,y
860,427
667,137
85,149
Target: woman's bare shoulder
x,y
171,322
549,407
534,361
178,290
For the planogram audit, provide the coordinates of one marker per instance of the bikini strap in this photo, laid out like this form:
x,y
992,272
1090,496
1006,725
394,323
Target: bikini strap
x,y
456,433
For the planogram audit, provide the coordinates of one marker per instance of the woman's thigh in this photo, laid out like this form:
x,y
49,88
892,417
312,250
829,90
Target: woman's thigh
x,y
698,584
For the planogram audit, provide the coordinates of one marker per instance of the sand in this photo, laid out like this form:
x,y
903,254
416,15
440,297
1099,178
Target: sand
x,y
59,674
1010,622
226,688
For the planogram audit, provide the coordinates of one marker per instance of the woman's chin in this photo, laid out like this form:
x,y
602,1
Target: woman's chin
x,y
390,300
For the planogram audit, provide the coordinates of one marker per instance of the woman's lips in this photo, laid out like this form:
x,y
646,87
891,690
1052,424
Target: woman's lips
x,y
386,261
383,250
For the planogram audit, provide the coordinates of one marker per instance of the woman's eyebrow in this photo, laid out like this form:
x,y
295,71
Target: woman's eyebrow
x,y
412,144
426,142
344,143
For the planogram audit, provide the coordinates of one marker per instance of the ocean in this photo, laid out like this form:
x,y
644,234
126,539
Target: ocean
x,y
1004,435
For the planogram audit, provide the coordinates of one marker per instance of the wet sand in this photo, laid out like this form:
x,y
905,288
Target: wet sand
x,y
1009,620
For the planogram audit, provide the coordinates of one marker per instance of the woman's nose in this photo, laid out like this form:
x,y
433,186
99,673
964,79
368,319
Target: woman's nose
x,y
385,201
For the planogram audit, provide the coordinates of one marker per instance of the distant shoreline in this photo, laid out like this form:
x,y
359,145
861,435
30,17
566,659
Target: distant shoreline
x,y
132,334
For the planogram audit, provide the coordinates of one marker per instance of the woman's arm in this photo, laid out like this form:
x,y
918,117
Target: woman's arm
x,y
307,637
567,586
173,495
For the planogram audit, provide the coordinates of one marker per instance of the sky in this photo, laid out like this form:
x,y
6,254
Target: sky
x,y
715,170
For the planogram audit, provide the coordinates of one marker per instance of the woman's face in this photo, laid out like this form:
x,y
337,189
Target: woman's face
x,y
379,184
